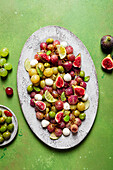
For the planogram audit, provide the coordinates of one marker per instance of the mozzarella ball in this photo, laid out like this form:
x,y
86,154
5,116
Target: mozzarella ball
x,y
33,63
63,43
67,77
85,97
45,123
38,97
49,82
66,106
66,132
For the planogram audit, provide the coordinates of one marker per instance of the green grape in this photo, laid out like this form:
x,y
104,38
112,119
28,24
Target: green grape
x,y
4,52
8,66
3,72
2,61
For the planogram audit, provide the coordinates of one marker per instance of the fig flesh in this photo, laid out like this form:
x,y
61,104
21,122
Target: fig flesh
x,y
59,82
59,117
77,62
107,43
107,63
79,91
40,105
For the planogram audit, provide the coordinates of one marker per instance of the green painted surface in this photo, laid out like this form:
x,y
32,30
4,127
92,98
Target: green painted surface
x,y
89,20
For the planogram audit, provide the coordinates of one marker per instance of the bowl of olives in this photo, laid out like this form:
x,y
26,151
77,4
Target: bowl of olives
x,y
8,125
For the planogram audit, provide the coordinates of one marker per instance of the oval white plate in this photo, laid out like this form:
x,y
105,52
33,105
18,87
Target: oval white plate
x,y
30,48
15,122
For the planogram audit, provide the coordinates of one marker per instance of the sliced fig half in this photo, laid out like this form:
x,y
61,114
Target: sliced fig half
x,y
77,62
59,82
79,91
40,105
59,117
107,62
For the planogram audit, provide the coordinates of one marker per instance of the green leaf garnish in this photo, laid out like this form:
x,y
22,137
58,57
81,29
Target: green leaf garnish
x,y
36,88
48,52
86,79
63,97
66,118
39,72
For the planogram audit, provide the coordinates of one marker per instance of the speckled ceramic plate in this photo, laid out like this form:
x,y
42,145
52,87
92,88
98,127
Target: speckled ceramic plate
x,y
29,50
15,122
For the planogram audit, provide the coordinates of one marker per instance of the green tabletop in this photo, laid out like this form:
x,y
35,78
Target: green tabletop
x,y
89,20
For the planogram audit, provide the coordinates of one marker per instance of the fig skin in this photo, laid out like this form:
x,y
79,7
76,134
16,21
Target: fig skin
x,y
107,43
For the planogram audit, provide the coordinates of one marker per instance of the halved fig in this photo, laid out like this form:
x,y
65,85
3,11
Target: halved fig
x,y
40,105
77,62
59,82
107,62
79,91
59,117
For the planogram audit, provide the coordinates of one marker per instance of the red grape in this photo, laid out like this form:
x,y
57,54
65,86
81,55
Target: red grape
x,y
71,57
43,46
39,115
54,59
51,128
69,50
59,105
9,91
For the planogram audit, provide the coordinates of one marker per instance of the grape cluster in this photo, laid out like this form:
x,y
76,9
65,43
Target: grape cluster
x,y
5,67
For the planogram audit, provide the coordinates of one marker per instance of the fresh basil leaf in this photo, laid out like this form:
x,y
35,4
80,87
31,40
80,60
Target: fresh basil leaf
x,y
37,89
86,79
63,97
66,118
39,72
48,52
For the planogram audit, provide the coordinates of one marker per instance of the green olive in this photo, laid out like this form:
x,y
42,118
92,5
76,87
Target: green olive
x,y
55,70
8,120
0,113
30,88
61,69
2,120
49,41
3,129
81,106
76,113
40,66
6,135
1,139
82,73
53,108
73,107
42,84
10,127
82,116
47,104
46,65
48,72
52,114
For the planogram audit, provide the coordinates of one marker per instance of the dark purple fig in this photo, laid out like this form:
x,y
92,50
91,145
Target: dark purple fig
x,y
107,43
